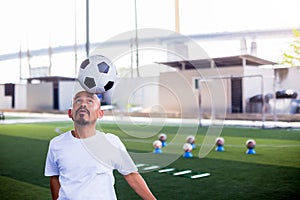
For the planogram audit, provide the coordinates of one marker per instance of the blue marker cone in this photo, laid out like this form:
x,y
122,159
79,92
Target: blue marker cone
x,y
157,151
193,145
220,148
250,151
187,154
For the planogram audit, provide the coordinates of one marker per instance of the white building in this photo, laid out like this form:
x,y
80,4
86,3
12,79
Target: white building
x,y
182,88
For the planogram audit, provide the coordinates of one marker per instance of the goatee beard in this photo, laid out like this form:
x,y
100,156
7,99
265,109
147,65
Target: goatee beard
x,y
82,122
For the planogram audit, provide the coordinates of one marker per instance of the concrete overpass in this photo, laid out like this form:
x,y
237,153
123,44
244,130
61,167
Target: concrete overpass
x,y
240,35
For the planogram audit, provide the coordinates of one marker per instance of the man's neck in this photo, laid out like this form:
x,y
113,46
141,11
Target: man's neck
x,y
84,131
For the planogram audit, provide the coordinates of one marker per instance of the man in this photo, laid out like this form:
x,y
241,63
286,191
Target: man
x,y
80,162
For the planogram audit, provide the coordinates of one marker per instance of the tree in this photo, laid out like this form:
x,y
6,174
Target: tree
x,y
292,58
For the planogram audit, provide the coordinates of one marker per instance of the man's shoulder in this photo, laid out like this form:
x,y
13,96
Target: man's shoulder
x,y
61,137
107,135
114,139
112,136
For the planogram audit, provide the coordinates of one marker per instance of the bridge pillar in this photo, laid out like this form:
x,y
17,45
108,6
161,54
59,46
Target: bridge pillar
x,y
253,48
243,46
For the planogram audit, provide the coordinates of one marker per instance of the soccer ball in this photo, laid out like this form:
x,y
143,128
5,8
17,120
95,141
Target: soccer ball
x,y
157,144
190,139
97,74
162,137
220,141
187,147
250,144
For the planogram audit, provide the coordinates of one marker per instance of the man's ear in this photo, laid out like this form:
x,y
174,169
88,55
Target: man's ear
x,y
70,113
101,113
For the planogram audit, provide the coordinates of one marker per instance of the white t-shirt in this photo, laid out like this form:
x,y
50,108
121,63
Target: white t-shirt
x,y
85,166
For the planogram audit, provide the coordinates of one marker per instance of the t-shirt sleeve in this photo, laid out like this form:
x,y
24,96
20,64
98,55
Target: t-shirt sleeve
x,y
51,168
125,165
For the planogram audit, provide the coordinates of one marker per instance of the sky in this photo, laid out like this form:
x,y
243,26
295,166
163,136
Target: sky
x,y
36,24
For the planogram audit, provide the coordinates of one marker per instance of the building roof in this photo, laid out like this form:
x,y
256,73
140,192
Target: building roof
x,y
219,62
54,79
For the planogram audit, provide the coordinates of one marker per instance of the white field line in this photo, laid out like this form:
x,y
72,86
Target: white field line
x,y
166,170
182,172
47,117
200,175
151,167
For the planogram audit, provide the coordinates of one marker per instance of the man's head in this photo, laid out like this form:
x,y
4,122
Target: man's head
x,y
86,108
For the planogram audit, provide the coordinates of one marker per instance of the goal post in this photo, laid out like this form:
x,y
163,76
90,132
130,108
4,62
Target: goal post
x,y
216,92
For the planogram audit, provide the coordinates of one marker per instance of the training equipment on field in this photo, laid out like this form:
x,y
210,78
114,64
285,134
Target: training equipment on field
x,y
163,138
250,144
220,144
97,74
191,140
187,147
157,146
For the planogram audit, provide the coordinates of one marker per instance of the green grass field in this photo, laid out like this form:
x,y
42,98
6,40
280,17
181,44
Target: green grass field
x,y
272,173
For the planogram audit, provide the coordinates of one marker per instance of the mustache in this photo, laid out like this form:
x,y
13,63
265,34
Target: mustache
x,y
82,108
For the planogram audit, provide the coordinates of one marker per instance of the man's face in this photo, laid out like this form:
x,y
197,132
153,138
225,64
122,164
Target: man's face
x,y
86,108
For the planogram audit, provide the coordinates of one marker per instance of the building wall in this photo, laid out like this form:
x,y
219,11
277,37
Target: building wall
x,y
65,94
5,101
142,92
288,78
20,96
171,92
257,85
40,96
180,95
177,93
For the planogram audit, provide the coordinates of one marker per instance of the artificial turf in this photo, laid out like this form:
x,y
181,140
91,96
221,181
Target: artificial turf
x,y
272,173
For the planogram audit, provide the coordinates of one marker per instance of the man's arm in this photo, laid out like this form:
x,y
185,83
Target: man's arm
x,y
54,186
138,184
